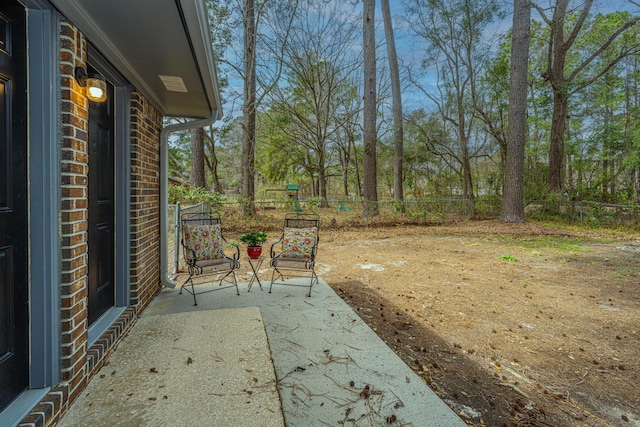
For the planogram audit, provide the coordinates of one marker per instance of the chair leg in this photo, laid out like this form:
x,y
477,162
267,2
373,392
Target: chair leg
x,y
220,277
278,275
314,280
273,274
273,277
235,280
193,292
192,271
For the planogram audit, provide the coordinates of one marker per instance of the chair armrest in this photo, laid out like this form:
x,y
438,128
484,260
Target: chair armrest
x,y
193,261
185,251
272,252
314,250
236,255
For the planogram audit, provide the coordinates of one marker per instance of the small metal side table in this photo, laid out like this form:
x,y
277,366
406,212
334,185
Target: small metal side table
x,y
255,269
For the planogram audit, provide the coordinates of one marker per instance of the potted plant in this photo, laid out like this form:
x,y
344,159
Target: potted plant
x,y
254,241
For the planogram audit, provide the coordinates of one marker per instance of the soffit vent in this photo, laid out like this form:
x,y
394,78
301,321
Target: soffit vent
x,y
173,83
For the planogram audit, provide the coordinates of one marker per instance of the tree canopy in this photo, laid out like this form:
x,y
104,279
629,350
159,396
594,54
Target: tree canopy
x,y
579,93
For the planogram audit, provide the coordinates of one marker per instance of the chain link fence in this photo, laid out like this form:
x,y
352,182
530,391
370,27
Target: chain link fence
x,y
594,214
351,212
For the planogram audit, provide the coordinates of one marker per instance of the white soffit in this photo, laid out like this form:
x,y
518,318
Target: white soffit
x,y
162,47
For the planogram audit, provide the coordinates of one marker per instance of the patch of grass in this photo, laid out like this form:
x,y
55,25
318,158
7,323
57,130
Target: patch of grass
x,y
560,244
508,258
621,273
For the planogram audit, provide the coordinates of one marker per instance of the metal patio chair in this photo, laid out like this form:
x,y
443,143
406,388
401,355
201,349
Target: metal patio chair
x,y
203,248
294,254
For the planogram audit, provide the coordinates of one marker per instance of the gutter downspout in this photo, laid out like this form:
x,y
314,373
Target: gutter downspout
x,y
164,186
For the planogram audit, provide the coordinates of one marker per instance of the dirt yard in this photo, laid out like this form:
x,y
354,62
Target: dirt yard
x,y
512,325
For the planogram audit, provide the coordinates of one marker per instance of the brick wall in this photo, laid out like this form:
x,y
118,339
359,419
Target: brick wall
x,y
74,213
73,228
146,123
78,362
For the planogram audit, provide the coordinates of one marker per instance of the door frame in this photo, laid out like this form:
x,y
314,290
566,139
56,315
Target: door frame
x,y
44,196
122,187
44,192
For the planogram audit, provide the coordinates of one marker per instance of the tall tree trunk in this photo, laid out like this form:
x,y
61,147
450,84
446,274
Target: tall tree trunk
x,y
356,166
314,184
556,143
467,177
369,127
211,161
398,130
345,183
322,188
344,165
465,158
558,50
197,176
513,197
567,180
213,167
249,110
607,154
611,153
322,180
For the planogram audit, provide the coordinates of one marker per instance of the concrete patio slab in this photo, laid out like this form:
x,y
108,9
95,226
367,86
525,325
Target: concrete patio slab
x,y
332,369
200,368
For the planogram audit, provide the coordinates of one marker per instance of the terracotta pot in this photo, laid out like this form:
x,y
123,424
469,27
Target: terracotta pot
x,y
254,251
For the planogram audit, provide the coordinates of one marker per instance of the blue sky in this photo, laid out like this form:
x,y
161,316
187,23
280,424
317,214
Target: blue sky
x,y
408,47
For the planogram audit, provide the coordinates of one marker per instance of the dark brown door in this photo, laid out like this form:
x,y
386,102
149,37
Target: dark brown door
x,y
101,206
14,308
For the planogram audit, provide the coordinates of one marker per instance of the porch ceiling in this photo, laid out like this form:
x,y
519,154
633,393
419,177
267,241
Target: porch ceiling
x,y
147,39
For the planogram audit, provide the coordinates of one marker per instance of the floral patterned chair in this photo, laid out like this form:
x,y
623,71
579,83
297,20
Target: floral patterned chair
x,y
203,249
294,254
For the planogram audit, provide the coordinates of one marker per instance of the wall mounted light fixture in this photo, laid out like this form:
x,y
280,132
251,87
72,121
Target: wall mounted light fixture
x,y
94,84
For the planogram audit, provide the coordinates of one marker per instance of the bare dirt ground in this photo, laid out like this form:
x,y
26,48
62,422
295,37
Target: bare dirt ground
x,y
512,325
